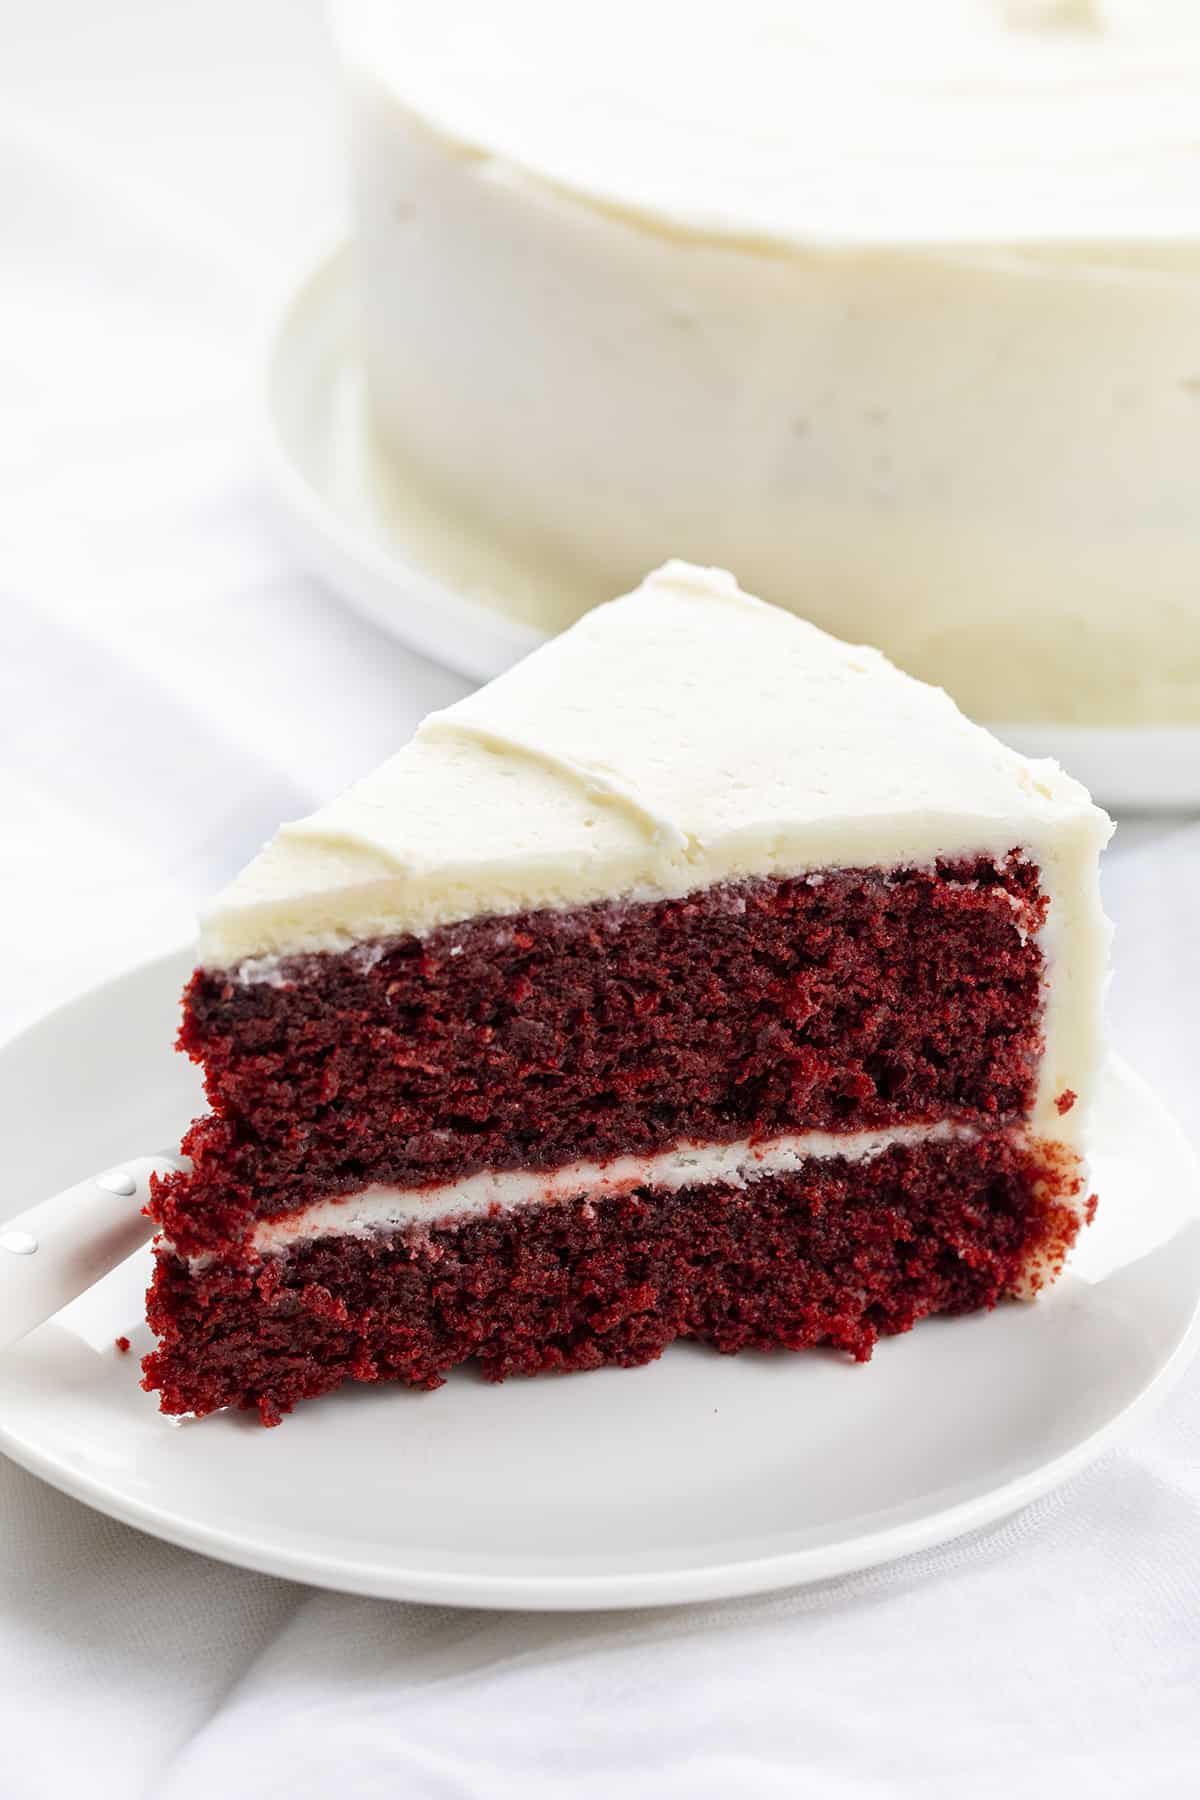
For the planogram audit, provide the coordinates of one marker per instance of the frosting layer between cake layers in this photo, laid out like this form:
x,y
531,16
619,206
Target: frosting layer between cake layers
x,y
379,1208
683,736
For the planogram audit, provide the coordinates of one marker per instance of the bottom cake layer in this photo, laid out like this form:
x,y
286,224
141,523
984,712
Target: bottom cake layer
x,y
840,1253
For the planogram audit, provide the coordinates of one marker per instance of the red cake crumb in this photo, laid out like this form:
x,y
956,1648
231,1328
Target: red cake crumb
x,y
839,1254
122,1344
1066,1100
850,1001
855,1000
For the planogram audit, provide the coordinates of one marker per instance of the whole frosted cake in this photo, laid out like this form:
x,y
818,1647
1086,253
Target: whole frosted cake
x,y
891,308
703,977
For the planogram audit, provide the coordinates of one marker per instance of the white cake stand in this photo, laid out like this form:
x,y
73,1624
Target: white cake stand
x,y
460,600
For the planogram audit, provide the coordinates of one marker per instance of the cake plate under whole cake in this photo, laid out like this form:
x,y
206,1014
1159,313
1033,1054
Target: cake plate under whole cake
x,y
422,577
694,1477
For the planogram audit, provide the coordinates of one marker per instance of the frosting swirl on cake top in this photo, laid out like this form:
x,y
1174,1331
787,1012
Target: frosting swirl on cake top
x,y
683,735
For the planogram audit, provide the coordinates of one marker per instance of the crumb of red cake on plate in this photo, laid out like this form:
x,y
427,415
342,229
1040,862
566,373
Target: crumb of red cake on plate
x,y
123,1345
703,977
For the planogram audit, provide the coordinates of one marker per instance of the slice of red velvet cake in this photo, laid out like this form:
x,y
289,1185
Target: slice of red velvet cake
x,y
702,977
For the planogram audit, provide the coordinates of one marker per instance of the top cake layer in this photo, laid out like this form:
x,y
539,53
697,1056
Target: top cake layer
x,y
682,736
799,121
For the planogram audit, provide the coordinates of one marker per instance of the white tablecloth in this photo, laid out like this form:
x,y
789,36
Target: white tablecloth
x,y
172,685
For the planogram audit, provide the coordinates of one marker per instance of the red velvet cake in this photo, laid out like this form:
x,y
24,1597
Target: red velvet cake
x,y
702,977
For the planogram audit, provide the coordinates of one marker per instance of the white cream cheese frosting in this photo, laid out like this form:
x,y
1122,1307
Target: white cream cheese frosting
x,y
784,121
889,307
684,735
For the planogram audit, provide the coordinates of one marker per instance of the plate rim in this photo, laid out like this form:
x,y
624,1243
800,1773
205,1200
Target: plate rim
x,y
557,1592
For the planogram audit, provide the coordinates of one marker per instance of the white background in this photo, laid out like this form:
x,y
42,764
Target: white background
x,y
171,685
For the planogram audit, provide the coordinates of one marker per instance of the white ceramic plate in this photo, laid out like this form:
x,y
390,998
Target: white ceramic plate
x,y
695,1477
424,579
